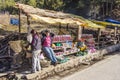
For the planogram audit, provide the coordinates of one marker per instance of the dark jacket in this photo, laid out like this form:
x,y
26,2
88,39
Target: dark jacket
x,y
36,43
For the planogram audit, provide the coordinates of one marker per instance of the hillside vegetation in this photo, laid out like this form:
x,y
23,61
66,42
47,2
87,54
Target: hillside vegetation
x,y
97,9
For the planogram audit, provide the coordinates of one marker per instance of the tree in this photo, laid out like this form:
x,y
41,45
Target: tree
x,y
40,3
5,4
53,4
32,3
9,3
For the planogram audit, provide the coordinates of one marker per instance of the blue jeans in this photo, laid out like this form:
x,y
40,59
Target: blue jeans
x,y
36,61
50,54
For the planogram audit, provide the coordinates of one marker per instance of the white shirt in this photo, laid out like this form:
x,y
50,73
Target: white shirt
x,y
29,38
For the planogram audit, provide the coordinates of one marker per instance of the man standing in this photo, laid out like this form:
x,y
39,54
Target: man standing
x,y
36,49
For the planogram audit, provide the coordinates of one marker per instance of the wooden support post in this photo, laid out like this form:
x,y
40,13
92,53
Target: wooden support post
x,y
59,28
99,33
79,32
115,31
118,36
83,30
115,34
19,13
28,25
67,27
19,22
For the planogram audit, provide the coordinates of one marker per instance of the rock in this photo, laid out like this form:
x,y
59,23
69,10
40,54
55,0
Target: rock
x,y
44,63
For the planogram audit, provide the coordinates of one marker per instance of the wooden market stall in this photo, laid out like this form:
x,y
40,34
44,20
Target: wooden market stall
x,y
59,18
81,27
111,35
55,18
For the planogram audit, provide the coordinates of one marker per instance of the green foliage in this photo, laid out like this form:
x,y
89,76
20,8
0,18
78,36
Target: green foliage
x,y
7,5
40,3
83,3
32,3
117,2
73,6
53,4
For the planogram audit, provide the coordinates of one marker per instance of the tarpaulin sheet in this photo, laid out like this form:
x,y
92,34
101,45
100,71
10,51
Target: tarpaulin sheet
x,y
112,21
106,23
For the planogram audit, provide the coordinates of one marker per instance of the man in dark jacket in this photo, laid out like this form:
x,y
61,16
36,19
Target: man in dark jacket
x,y
36,49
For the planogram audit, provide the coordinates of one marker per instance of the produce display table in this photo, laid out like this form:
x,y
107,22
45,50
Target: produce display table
x,y
63,45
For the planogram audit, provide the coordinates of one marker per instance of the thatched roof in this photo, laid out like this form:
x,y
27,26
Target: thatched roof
x,y
53,17
46,13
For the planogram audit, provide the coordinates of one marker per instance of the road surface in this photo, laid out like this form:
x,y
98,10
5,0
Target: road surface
x,y
107,69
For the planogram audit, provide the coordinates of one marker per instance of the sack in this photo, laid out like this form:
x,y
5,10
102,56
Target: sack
x,y
28,54
16,46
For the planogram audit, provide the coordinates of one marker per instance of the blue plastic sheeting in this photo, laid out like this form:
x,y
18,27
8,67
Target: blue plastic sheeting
x,y
14,21
112,21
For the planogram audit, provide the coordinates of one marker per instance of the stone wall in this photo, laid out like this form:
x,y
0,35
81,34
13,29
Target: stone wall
x,y
72,63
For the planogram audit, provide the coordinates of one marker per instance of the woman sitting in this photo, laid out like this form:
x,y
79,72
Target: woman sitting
x,y
46,46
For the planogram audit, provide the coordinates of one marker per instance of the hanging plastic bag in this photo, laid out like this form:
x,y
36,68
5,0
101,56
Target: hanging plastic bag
x,y
41,56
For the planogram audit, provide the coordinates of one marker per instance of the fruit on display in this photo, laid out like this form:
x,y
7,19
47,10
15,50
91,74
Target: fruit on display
x,y
53,46
62,38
